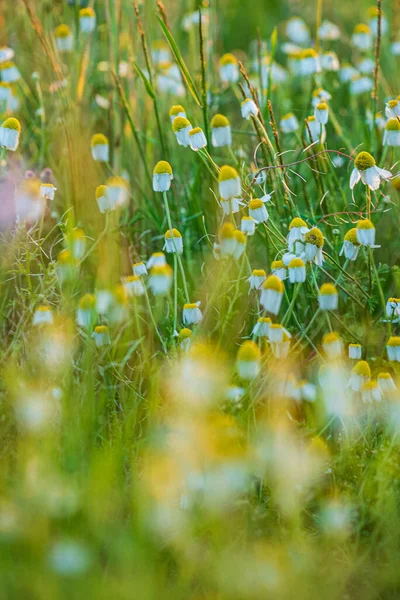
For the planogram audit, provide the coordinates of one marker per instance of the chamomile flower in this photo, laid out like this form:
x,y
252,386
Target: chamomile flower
x,y
47,191
315,132
184,339
360,84
297,231
362,37
103,201
276,331
393,308
355,351
160,279
221,132
177,111
328,297
87,20
86,313
347,72
192,314
261,328
309,62
332,345
371,392
248,360
104,301
160,52
320,95
328,31
330,61
289,123
297,30
229,183
314,242
351,245
162,176
139,269
297,271
258,210
391,135
231,206
6,53
10,131
392,109
393,348
281,349
395,48
248,108
157,259
229,68
360,374
43,315
365,169
9,72
66,265
101,336
181,128
248,225
197,139
321,113
76,242
272,294
240,246
278,268
64,38
373,21
173,241
100,148
385,382
380,120
366,233
133,285
257,278
365,66
118,191
5,91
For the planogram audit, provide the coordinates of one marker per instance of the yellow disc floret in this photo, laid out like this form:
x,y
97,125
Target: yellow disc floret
x,y
394,340
255,204
365,224
172,233
179,124
351,236
364,161
162,167
62,31
228,59
362,368
273,283
328,289
259,273
315,237
219,121
297,222
227,231
227,173
393,125
99,139
296,263
101,191
12,123
176,109
248,351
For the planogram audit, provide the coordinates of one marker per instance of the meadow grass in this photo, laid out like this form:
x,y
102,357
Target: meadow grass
x,y
200,304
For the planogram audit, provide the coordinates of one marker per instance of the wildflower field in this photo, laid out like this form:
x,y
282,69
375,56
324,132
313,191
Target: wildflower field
x,y
200,299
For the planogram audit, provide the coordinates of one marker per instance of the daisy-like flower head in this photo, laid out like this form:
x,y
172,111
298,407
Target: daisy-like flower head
x,y
192,313
101,335
197,139
261,328
100,147
289,123
272,294
297,270
362,37
370,392
391,135
365,233
360,374
139,269
330,61
157,259
6,53
102,199
248,360
297,30
297,230
118,190
227,240
314,242
248,225
360,84
184,339
385,382
85,314
229,68
162,176
392,109
177,111
9,134
393,348
43,315
278,268
258,210
332,344
229,183
328,297
76,241
9,72
248,108
373,20
328,31
355,351
309,62
221,133
241,242
64,38
365,169
160,279
173,241
320,95
315,131
47,191
257,278
351,245
181,128
133,285
321,113
87,19
393,308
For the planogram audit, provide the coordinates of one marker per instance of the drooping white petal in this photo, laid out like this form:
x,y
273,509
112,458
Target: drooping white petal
x,y
354,178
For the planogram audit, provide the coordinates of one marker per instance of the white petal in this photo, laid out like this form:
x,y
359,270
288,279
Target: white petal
x,y
384,173
354,177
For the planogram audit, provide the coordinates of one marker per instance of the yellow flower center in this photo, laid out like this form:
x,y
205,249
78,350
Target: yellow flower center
x,y
248,351
162,167
219,121
365,224
315,237
364,160
228,59
328,289
179,124
273,283
12,123
62,31
174,233
296,263
176,109
227,173
256,203
362,368
351,236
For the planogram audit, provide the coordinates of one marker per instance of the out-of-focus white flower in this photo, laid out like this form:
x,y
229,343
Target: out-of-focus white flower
x,y
229,69
64,38
330,61
192,314
10,131
173,241
362,37
248,360
100,148
328,31
248,108
297,31
162,176
87,20
289,123
221,133
391,135
43,315
328,297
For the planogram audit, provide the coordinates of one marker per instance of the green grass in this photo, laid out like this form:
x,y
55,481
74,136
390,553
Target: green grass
x,y
126,470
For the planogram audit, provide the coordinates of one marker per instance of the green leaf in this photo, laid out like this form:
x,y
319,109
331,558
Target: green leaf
x,y
181,63
147,84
